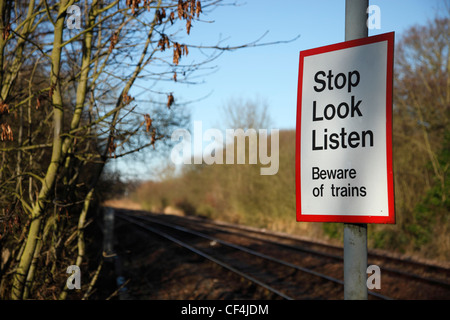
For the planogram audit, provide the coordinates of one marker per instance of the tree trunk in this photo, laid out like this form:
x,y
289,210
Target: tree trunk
x,y
52,170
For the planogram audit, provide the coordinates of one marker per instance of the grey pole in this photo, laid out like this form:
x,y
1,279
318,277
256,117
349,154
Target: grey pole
x,y
355,261
356,19
355,235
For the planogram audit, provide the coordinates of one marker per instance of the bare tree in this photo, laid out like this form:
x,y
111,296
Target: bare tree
x,y
245,114
71,85
421,129
423,89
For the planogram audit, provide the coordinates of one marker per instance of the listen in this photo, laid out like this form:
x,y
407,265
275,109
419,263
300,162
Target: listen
x,y
342,140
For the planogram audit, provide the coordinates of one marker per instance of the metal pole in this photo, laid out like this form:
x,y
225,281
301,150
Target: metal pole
x,y
356,19
108,232
355,261
355,235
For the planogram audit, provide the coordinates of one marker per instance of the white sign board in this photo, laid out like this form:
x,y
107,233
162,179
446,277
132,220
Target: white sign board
x,y
344,132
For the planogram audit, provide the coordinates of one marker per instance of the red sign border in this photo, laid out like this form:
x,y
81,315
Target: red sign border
x,y
390,218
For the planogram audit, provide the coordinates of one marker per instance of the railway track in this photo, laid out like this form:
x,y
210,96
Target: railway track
x,y
406,268
285,266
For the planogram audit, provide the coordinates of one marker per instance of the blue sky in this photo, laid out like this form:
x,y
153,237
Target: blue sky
x,y
271,72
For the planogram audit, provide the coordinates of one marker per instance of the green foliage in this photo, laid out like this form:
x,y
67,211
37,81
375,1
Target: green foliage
x,y
333,230
388,238
435,205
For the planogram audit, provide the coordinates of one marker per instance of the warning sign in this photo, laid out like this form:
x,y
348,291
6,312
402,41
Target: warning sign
x,y
344,132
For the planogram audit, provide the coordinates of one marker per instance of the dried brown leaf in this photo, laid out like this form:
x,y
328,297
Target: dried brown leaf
x,y
170,100
180,9
114,40
148,122
6,134
198,10
4,108
6,31
153,138
188,26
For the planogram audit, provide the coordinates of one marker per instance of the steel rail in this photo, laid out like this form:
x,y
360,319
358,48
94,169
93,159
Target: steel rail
x,y
290,237
206,256
255,253
401,273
